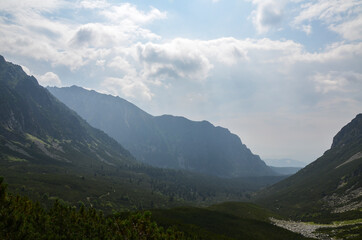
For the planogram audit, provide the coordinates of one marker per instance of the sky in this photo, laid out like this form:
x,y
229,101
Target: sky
x,y
284,75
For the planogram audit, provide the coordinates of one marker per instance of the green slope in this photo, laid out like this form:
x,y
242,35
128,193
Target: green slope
x,y
329,188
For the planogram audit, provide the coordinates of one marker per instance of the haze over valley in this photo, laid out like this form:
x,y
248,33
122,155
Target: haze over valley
x,y
203,119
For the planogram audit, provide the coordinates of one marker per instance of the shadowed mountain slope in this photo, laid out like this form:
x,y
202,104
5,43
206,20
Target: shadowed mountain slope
x,y
165,141
328,188
36,127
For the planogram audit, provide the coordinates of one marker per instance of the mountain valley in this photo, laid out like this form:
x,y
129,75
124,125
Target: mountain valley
x,y
162,177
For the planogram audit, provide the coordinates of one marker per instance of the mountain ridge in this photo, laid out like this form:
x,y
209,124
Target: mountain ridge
x,y
165,141
31,113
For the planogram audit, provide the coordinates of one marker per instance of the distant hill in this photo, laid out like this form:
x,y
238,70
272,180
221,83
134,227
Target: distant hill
x,y
285,170
165,141
328,188
284,162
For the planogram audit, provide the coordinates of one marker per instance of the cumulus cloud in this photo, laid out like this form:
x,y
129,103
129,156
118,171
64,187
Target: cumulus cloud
x,y
338,53
49,79
122,65
28,31
337,81
107,36
128,12
350,30
268,14
328,11
128,86
184,60
177,59
195,59
26,70
94,4
341,16
307,29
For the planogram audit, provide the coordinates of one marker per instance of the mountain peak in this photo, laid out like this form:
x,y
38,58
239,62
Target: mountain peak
x,y
352,132
33,121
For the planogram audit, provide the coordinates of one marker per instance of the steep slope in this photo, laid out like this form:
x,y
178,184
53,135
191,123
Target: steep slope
x,y
200,146
328,188
36,127
165,141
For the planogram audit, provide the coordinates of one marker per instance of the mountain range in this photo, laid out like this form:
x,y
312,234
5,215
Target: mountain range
x,y
48,152
165,141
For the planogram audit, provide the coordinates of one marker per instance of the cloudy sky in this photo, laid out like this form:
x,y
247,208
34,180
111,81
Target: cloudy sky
x,y
285,75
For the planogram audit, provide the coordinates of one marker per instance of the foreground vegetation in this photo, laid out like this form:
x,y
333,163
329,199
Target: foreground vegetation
x,y
20,218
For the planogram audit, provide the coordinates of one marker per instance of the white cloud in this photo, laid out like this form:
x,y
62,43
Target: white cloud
x,y
337,82
122,64
195,59
27,31
350,30
179,58
32,5
307,29
328,11
339,54
192,61
128,86
268,14
341,16
94,4
49,79
128,12
26,70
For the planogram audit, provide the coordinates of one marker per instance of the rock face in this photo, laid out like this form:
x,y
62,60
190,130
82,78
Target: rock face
x,y
331,184
349,134
36,127
165,141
